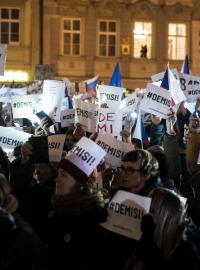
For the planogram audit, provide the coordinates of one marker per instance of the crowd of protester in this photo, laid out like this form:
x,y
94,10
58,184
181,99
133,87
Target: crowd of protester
x,y
50,213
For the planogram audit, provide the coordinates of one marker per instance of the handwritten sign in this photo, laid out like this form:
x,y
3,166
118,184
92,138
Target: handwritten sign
x,y
53,93
109,121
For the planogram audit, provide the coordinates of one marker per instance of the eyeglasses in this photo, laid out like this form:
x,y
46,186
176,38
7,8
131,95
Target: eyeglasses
x,y
127,170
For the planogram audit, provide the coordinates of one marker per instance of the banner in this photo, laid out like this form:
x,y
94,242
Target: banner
x,y
53,93
110,95
67,117
190,86
156,101
22,106
125,212
7,93
86,155
56,144
115,149
85,114
26,106
109,121
10,138
3,52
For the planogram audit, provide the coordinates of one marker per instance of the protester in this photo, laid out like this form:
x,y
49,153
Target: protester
x,y
163,244
33,184
77,211
139,173
20,246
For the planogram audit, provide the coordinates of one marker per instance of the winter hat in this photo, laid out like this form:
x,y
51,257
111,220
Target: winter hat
x,y
82,159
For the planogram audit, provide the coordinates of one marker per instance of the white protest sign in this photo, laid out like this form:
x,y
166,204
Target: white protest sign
x,y
22,106
65,104
129,103
25,106
125,212
85,114
86,155
53,93
190,86
18,91
37,103
110,95
177,94
3,52
115,149
67,117
6,93
9,138
190,106
56,143
15,128
159,76
109,121
157,101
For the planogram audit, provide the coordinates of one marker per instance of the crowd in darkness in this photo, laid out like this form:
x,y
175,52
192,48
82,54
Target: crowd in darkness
x,y
51,212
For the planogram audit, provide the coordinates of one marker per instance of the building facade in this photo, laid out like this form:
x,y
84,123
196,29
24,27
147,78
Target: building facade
x,y
83,38
20,29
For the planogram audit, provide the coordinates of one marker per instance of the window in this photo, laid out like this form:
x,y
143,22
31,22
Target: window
x,y
9,25
71,36
107,38
142,36
176,41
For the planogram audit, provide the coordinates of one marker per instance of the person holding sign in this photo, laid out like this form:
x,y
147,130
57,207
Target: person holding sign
x,y
33,184
78,210
138,174
164,244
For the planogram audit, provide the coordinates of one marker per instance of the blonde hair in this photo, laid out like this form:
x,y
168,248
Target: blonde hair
x,y
169,212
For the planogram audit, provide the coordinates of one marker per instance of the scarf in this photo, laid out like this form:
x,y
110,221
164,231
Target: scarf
x,y
74,205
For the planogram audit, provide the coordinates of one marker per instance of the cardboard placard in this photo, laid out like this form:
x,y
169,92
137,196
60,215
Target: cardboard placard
x,y
125,212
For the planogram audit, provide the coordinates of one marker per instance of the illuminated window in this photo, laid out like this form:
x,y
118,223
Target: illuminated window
x,y
71,36
107,38
176,41
9,25
142,39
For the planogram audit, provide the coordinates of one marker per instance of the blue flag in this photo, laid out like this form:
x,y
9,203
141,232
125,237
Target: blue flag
x,y
165,80
185,67
166,84
116,79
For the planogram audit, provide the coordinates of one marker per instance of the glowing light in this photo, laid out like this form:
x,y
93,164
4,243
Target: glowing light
x,y
17,76
133,115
